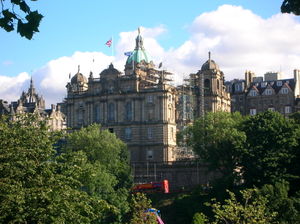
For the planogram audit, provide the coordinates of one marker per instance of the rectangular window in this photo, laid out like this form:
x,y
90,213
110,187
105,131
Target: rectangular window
x,y
268,92
149,154
263,84
284,91
149,133
97,113
253,93
252,112
80,117
127,133
287,109
271,109
150,99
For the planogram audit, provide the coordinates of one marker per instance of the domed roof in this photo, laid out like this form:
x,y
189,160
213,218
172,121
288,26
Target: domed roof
x,y
78,77
139,54
209,64
110,71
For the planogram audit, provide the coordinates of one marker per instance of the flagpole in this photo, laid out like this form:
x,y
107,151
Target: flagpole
x,y
112,47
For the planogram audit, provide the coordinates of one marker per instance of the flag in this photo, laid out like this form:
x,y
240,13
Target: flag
x,y
129,53
109,42
160,64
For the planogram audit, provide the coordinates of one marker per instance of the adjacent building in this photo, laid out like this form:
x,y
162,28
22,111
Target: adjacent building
x,y
31,102
257,94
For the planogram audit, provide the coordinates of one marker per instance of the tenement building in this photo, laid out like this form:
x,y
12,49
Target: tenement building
x,y
137,105
31,102
257,94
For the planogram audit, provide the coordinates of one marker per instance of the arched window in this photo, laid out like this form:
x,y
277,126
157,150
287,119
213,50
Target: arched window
x,y
128,111
207,84
111,112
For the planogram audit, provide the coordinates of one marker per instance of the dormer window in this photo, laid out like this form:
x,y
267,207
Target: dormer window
x,y
268,92
252,93
284,91
263,84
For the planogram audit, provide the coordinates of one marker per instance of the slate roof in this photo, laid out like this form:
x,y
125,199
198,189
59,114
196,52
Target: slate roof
x,y
261,86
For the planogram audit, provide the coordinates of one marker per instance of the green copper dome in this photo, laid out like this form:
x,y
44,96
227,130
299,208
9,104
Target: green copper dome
x,y
139,54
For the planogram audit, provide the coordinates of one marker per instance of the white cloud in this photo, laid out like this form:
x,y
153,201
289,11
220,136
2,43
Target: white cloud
x,y
238,39
11,87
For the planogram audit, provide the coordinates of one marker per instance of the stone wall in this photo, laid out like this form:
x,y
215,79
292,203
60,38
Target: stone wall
x,y
182,175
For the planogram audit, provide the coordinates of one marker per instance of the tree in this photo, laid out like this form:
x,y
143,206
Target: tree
x,y
279,201
139,206
100,162
272,142
218,141
291,6
32,187
251,209
199,218
18,14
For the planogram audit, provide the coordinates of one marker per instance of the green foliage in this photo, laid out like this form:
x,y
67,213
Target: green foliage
x,y
27,24
100,162
264,149
218,141
258,150
287,208
32,187
291,6
199,218
272,142
139,205
296,117
251,209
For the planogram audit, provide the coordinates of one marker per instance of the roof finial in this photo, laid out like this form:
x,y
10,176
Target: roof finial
x,y
209,55
78,68
139,40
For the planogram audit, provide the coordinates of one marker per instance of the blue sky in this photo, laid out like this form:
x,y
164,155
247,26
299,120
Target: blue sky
x,y
72,25
170,26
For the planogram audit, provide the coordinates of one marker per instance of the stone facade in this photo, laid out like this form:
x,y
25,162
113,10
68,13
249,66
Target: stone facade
x,y
255,94
207,85
138,106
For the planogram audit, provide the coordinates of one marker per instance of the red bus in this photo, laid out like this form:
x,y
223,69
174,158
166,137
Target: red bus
x,y
152,187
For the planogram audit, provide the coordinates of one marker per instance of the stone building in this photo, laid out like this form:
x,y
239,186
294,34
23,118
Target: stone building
x,y
255,94
137,105
207,85
31,102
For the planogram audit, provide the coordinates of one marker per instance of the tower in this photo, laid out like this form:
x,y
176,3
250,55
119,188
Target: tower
x,y
211,92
